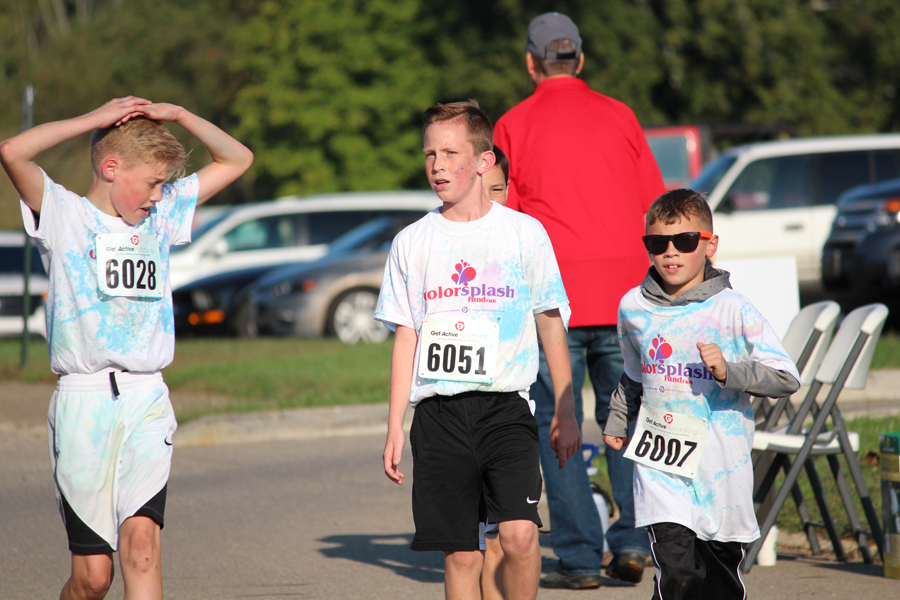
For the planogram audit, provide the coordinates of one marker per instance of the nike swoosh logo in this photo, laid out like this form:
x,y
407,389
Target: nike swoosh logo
x,y
530,501
167,442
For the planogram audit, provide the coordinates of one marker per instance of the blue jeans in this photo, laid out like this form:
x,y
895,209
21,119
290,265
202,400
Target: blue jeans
x,y
575,530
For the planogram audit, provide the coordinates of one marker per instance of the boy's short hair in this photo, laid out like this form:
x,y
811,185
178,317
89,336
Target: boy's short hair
x,y
139,141
675,204
503,162
478,125
558,66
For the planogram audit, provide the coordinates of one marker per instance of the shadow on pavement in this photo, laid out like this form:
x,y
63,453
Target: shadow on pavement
x,y
856,567
389,552
859,568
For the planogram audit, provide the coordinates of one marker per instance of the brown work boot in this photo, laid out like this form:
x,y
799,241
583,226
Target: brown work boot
x,y
627,566
561,581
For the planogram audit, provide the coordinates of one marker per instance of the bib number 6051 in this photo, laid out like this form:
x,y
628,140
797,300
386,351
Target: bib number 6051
x,y
660,449
448,359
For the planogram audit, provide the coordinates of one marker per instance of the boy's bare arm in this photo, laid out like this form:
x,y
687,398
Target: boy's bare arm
x,y
565,437
402,359
17,154
231,159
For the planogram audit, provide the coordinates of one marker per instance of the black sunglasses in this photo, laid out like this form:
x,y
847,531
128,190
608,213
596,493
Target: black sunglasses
x,y
683,242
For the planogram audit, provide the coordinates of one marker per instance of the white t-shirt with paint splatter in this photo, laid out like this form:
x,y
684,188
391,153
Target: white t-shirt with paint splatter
x,y
659,345
87,330
499,268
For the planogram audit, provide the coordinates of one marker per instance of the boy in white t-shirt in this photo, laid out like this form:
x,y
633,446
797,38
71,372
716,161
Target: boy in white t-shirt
x,y
469,289
110,328
695,350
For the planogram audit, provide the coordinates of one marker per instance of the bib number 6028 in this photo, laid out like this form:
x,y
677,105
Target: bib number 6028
x,y
448,359
660,449
146,274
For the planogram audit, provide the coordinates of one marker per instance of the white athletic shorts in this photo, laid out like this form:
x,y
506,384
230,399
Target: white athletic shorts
x,y
110,454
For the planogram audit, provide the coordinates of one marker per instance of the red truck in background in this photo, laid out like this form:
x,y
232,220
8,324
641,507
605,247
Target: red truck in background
x,y
681,151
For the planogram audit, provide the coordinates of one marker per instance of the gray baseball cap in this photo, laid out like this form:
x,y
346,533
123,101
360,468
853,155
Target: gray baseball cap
x,y
548,27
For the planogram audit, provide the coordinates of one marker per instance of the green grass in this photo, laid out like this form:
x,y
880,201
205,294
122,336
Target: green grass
x,y
248,375
269,374
788,520
274,373
887,353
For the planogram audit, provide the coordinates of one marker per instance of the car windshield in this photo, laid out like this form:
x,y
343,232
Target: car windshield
x,y
197,233
361,234
712,173
671,156
11,260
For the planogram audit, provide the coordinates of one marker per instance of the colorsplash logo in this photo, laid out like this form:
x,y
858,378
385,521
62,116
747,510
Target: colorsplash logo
x,y
463,277
464,273
660,350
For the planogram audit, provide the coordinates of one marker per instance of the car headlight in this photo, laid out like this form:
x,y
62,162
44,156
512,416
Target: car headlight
x,y
280,289
891,206
286,287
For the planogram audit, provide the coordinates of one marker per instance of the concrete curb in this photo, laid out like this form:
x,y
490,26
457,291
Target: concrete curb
x,y
295,424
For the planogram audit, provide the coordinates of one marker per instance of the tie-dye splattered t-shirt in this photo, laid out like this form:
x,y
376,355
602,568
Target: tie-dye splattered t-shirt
x,y
659,345
88,331
499,268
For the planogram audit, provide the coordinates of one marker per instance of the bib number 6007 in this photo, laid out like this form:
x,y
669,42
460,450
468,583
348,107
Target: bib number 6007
x,y
660,449
446,359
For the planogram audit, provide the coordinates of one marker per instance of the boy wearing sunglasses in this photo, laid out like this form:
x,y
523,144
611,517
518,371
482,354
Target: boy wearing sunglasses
x,y
695,351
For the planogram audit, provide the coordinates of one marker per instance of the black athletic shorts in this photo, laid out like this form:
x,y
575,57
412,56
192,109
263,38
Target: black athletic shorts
x,y
84,540
475,458
688,567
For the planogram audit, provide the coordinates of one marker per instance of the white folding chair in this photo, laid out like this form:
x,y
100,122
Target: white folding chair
x,y
846,364
806,341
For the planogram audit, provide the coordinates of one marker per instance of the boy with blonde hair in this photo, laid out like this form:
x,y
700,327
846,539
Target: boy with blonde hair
x,y
469,289
695,350
110,328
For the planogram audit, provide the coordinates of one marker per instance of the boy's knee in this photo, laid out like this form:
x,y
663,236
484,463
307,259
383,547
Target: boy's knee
x,y
518,538
140,545
464,561
92,585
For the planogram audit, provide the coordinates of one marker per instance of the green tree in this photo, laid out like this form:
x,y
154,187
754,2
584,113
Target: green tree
x,y
335,93
164,50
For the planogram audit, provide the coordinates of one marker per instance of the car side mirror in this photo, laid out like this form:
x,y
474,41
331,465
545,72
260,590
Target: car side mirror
x,y
727,206
219,248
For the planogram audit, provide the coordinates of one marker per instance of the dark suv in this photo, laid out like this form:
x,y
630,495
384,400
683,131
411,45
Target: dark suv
x,y
861,257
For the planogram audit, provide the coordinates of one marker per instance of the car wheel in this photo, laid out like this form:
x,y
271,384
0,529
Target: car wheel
x,y
352,318
244,323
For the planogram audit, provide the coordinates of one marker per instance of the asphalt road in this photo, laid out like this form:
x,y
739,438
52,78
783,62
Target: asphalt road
x,y
302,519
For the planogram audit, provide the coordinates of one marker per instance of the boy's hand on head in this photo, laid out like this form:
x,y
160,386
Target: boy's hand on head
x,y
118,111
393,452
616,443
565,437
712,358
162,111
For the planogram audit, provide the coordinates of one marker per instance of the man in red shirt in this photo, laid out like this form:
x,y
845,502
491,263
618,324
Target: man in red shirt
x,y
580,164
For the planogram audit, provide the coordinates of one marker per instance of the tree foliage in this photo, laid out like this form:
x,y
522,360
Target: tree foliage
x,y
336,88
328,93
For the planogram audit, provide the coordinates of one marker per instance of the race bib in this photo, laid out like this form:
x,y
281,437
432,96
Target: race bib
x,y
670,442
128,265
459,350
